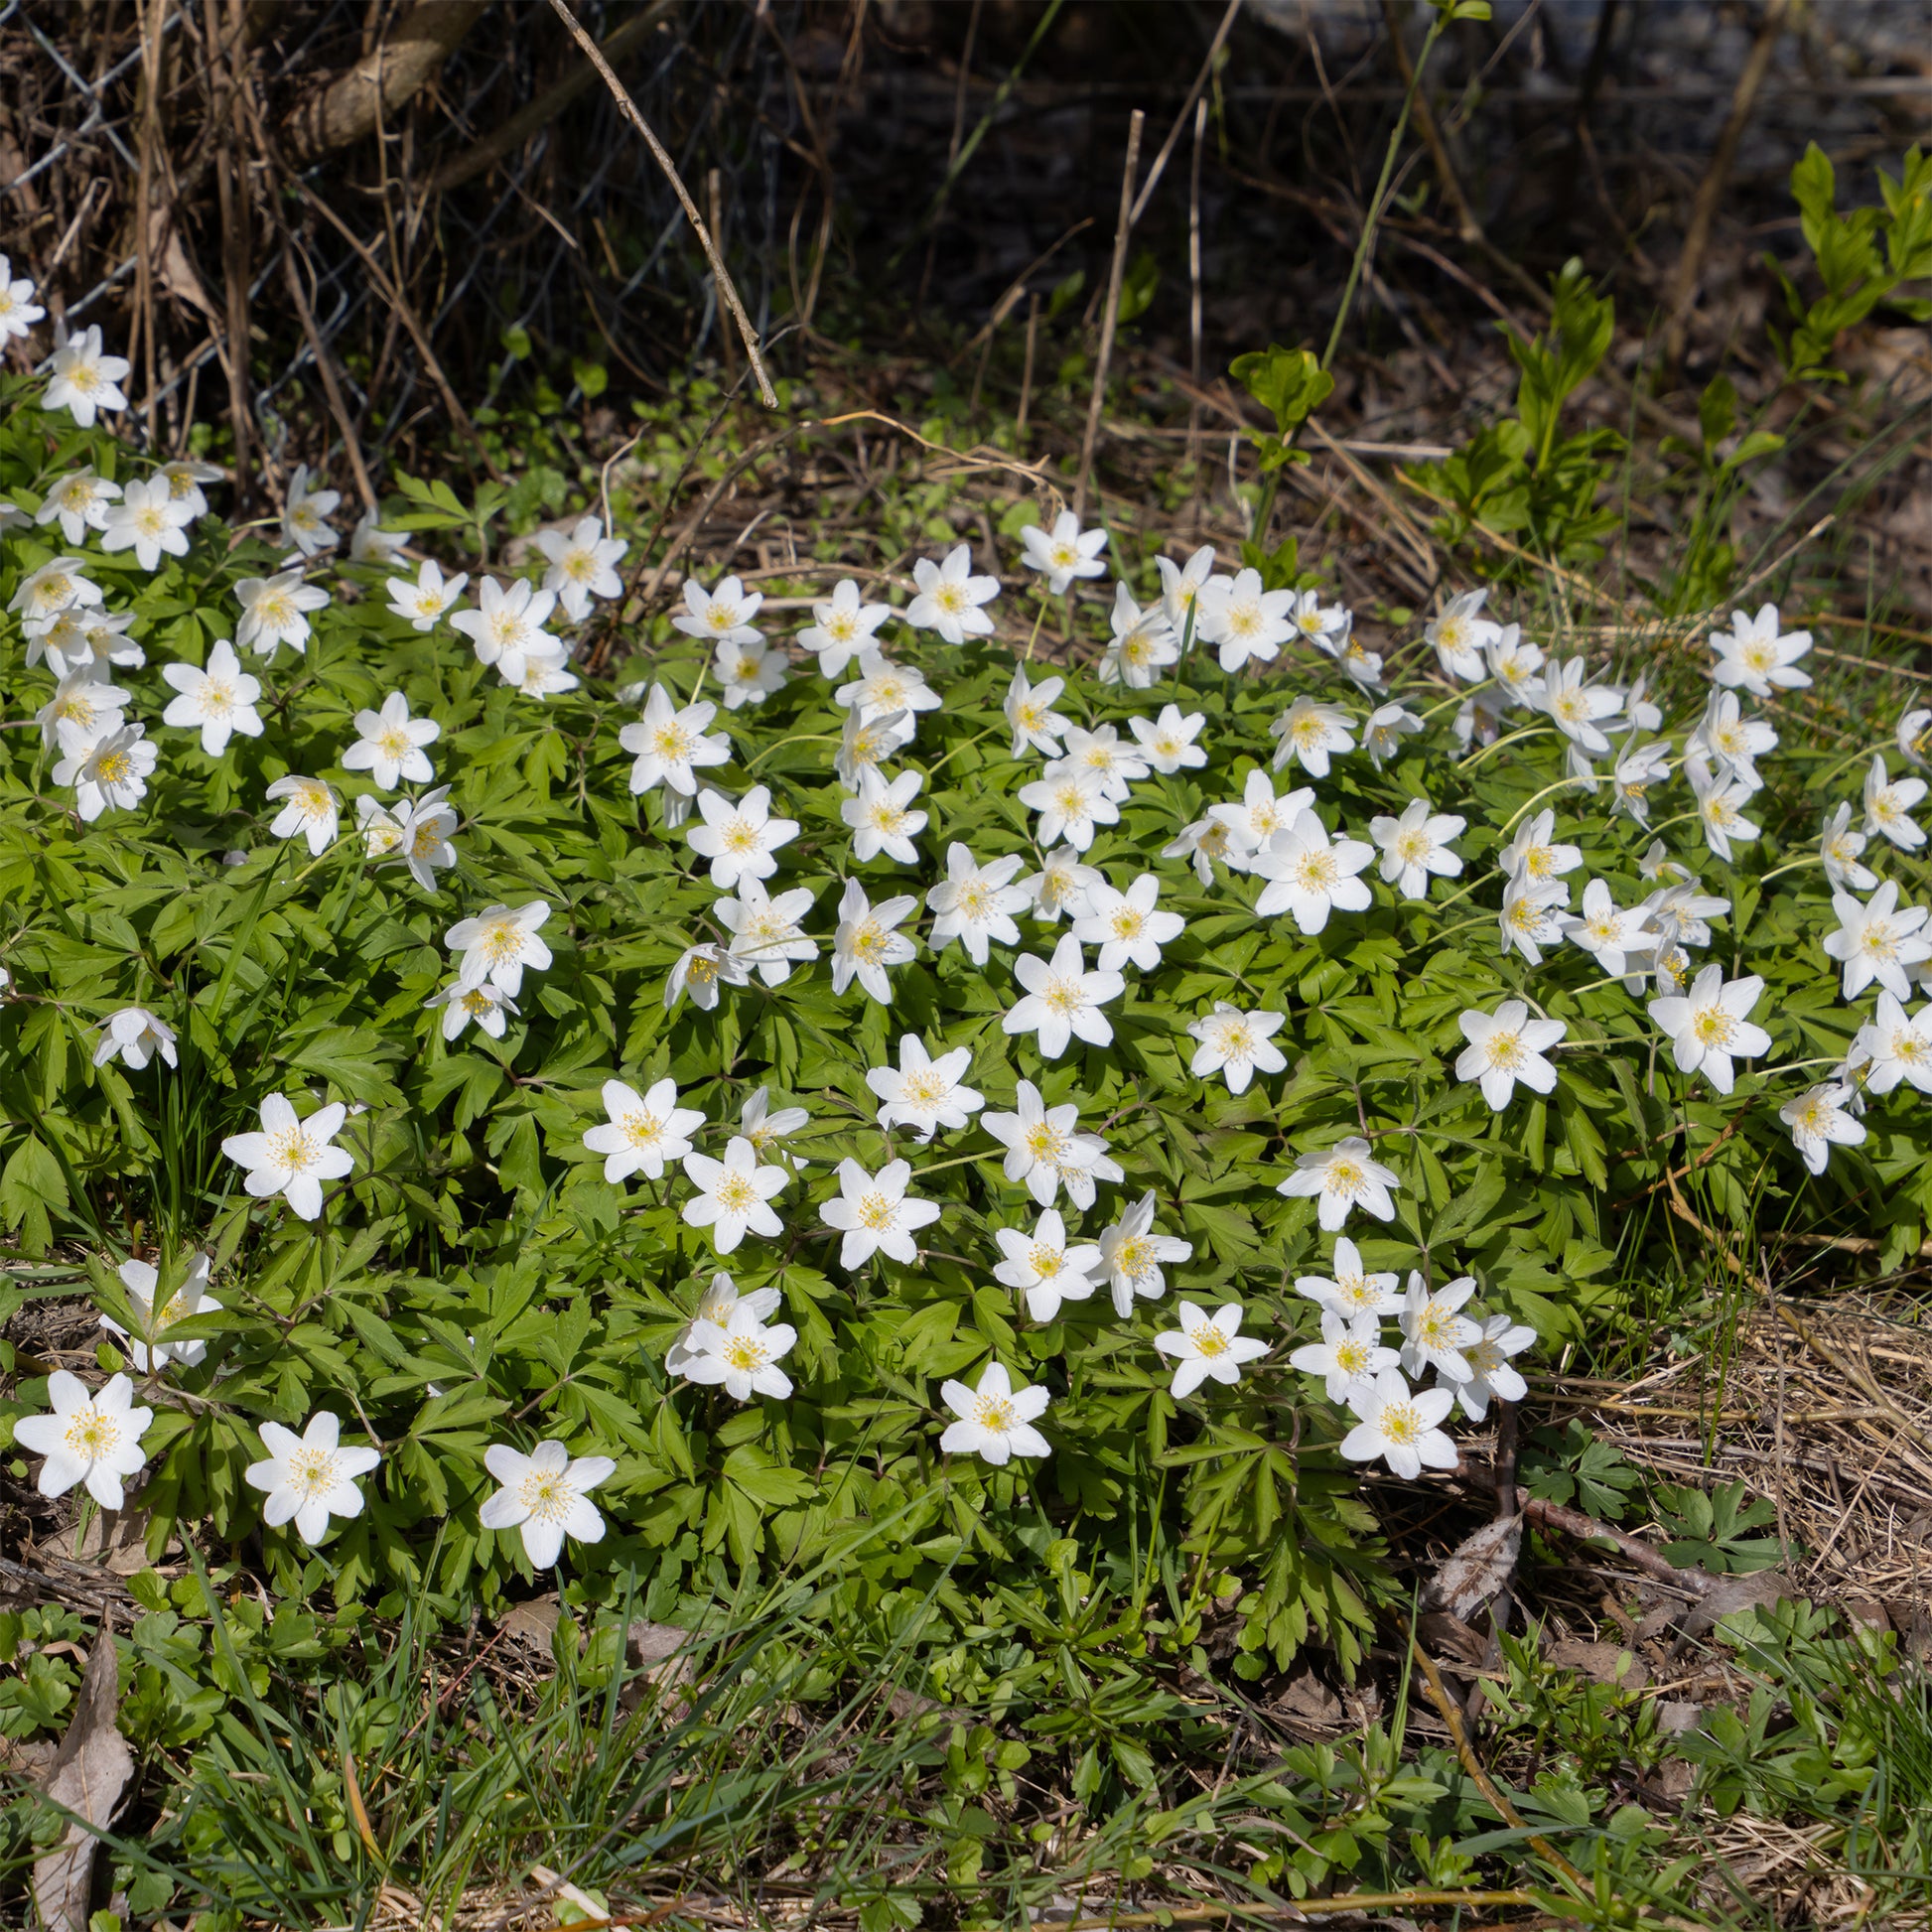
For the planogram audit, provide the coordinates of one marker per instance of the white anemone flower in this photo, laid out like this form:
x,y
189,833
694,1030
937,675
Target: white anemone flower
x,y
1342,1178
497,943
51,588
135,1035
866,943
1878,940
1726,738
312,1476
1207,1347
507,625
1819,1120
722,615
1028,708
371,543
842,627
883,687
923,1093
1071,807
1242,621
1638,771
91,1439
486,1006
867,742
765,1126
86,701
184,478
716,1305
1236,1045
670,744
1060,886
741,1353
1388,725
1534,859
304,511
749,672
1351,1291
1046,1151
1895,1046
1758,656
1350,1355
1513,663
217,698
17,310
1531,918
108,771
1401,1426
1063,553
1888,804
1126,925
1310,733
1417,845
767,936
1614,935
1487,1359
701,971
1102,756
876,1216
146,521
291,1157
1506,1046
389,744
1721,809
545,1494
80,500
274,612
995,1420
311,811
741,840
644,1131
1434,1333
1707,1027
583,565
1580,709
1258,814
1062,1000
1143,644
1045,1268
883,818
975,903
427,826
146,1347
1841,850
86,379
1461,634
423,604
1181,586
1133,1256
1310,874
950,597
732,1194
1167,741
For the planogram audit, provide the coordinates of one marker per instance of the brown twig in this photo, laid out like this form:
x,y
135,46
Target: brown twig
x,y
727,288
1110,317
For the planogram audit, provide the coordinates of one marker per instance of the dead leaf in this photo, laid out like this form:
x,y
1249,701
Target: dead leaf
x,y
1729,1594
88,1777
533,1624
115,1540
1304,1695
1477,1568
1446,1635
1602,1663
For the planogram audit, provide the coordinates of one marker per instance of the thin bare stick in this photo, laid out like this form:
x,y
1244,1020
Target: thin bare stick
x,y
1201,79
1026,375
1110,320
727,288
1193,291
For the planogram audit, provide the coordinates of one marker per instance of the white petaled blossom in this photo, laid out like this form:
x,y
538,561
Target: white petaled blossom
x,y
1878,940
426,830
1072,805
1045,1149
1417,845
90,1438
767,937
310,811
950,597
1143,645
1132,1256
1310,733
134,1036
109,773
923,1093
146,521
876,1216
51,587
546,1495
866,943
975,903
1043,1268
184,478
86,701
497,943
582,564
1819,1120
1029,709
1350,1355
1310,874
764,1125
506,628
1181,591
842,627
1531,918
1888,804
883,819
1638,771
1101,755
274,612
291,1157
217,698
1841,850
995,1420
867,742
1533,858
883,687
1578,708
1895,1046
740,1352
1062,1000
1167,741
487,1005
1401,1426
389,744
1913,736
81,501
1513,663
732,1194
1062,553
423,604
720,1301
86,379
1707,1027
1388,725
1487,1360
701,970
1126,925
1060,886
312,1476
1434,1333
1361,665
1243,621
17,310
1725,737
1351,1291
1613,934
1721,808
739,840
1323,626
1259,814
1236,1045
1758,656
1207,1347
1506,1046
721,615
747,672
670,744
147,1348
1341,1178
1461,634
305,512
371,543
644,1131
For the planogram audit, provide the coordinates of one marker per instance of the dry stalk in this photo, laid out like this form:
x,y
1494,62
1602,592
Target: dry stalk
x,y
1110,318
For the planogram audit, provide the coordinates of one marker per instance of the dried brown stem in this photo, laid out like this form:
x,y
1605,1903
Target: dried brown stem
x,y
1110,318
